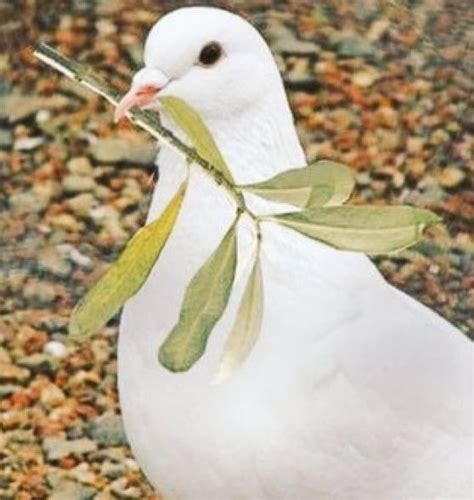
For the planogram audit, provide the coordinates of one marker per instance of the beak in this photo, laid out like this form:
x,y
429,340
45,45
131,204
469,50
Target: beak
x,y
145,87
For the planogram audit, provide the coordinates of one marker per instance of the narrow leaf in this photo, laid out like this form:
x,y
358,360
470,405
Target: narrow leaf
x,y
189,121
126,276
247,325
204,302
370,229
323,183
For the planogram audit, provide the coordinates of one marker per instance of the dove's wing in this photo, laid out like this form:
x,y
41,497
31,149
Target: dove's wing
x,y
381,398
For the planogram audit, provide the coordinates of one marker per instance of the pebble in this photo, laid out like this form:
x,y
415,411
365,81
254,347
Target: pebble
x,y
415,145
75,256
67,489
52,260
107,430
451,177
415,167
112,470
365,78
4,355
377,29
7,390
66,222
120,488
119,150
56,448
39,293
439,136
56,349
12,373
283,40
353,46
78,184
53,323
39,363
27,202
17,107
80,166
28,143
51,395
6,138
82,204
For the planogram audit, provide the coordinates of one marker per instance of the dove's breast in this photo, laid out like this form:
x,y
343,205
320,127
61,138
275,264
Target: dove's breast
x,y
352,390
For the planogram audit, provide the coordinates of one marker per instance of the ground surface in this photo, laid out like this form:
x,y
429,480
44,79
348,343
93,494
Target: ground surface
x,y
381,86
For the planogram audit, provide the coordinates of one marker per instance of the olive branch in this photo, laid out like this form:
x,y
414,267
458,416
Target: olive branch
x,y
317,191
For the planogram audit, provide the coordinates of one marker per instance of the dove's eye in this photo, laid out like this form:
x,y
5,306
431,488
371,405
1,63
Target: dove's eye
x,y
210,54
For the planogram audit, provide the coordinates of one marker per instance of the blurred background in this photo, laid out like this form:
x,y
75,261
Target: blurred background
x,y
382,86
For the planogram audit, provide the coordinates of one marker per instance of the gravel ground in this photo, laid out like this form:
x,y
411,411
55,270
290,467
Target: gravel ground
x,y
381,86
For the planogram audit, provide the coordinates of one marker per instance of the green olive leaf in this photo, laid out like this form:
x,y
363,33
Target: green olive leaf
x,y
189,121
204,302
126,276
323,183
246,329
369,229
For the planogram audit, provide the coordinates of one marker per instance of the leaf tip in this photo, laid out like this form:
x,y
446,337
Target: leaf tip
x,y
170,361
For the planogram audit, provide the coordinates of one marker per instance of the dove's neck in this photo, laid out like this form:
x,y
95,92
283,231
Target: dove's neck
x,y
256,144
260,142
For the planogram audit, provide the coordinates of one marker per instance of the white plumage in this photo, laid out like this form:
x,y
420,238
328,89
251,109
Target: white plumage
x,y
352,390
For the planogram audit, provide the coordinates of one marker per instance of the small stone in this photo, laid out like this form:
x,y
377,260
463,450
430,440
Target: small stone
x,y
365,78
386,116
39,293
75,256
415,145
52,261
109,218
439,137
112,470
398,179
71,490
83,474
28,143
107,430
82,204
80,166
12,373
5,355
56,349
415,167
388,139
26,202
7,390
116,150
53,323
354,46
377,29
17,106
6,138
451,177
120,488
105,27
64,221
56,448
78,184
51,395
39,363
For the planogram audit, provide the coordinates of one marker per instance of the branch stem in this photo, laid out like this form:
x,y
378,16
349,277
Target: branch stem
x,y
147,120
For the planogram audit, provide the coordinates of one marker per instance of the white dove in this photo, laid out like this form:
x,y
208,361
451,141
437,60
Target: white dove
x,y
353,389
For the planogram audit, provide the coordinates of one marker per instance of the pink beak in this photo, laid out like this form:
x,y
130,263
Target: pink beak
x,y
139,95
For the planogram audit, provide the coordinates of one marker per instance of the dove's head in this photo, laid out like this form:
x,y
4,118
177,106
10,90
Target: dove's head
x,y
213,59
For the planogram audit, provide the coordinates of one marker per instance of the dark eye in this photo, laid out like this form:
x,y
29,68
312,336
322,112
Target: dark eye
x,y
210,54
